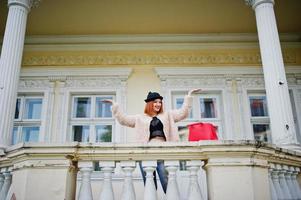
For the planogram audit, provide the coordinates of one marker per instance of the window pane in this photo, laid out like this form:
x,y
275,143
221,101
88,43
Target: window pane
x,y
104,133
33,108
81,133
208,107
82,107
17,108
179,103
103,109
258,105
15,135
183,133
30,134
262,132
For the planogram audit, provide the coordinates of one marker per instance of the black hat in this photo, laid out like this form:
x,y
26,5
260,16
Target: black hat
x,y
152,96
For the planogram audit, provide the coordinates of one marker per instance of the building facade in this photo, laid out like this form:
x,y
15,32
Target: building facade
x,y
57,136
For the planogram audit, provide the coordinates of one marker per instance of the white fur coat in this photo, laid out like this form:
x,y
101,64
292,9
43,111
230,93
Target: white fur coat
x,y
141,122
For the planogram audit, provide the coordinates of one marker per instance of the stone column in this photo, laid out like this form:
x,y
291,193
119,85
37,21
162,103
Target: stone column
x,y
10,64
280,110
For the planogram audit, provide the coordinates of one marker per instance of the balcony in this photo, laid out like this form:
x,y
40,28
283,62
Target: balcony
x,y
199,170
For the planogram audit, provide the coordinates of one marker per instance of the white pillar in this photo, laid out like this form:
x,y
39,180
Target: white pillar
x,y
107,167
290,184
150,192
172,192
6,185
283,183
128,191
275,179
194,191
10,64
1,180
272,187
296,171
280,110
85,191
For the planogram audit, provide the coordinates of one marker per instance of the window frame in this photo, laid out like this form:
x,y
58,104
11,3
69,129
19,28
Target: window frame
x,y
21,122
196,106
259,120
93,120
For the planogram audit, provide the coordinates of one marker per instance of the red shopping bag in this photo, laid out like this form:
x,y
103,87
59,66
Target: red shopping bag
x,y
201,131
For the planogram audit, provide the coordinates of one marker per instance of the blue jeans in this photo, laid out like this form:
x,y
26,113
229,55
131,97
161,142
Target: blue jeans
x,y
161,172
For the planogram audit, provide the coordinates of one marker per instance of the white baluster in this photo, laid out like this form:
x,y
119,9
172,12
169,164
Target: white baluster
x,y
1,180
85,192
6,185
194,188
289,182
128,191
107,167
172,192
283,183
296,171
272,187
276,183
150,192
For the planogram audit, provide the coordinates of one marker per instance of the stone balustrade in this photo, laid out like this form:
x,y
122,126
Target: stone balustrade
x,y
128,190
283,182
215,170
5,182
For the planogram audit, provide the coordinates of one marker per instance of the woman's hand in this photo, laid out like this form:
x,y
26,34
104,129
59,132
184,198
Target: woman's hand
x,y
108,101
193,91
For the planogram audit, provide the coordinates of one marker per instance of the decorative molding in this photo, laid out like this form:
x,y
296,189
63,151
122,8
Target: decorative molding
x,y
93,83
254,3
217,81
157,59
253,82
28,4
32,78
229,71
248,77
64,73
33,84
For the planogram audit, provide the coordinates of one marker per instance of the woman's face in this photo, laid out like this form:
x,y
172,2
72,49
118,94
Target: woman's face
x,y
157,103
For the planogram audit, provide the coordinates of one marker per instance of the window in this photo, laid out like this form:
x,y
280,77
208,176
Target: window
x,y
295,115
206,108
260,117
27,120
91,119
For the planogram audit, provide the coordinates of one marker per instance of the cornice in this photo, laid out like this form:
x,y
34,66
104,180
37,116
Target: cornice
x,y
150,42
153,38
236,58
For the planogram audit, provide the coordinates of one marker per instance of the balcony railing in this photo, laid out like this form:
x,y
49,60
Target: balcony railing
x,y
199,170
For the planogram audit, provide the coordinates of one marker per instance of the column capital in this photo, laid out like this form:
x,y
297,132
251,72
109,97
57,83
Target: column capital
x,y
28,4
255,3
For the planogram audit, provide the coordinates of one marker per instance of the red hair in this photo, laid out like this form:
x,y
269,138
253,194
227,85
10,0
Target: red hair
x,y
149,108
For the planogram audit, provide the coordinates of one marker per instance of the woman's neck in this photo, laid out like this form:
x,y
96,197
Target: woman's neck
x,y
154,114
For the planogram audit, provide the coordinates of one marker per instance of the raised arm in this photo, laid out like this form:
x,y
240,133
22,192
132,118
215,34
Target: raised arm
x,y
183,112
123,119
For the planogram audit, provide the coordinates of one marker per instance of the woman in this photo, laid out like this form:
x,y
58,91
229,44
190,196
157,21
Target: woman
x,y
155,125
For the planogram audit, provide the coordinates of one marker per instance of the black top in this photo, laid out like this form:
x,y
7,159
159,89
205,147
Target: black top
x,y
156,129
